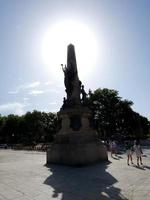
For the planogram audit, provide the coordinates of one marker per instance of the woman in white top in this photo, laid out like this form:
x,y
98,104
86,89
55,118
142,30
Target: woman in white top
x,y
138,152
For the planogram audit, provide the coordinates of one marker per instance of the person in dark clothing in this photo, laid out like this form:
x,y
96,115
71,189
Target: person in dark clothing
x,y
129,151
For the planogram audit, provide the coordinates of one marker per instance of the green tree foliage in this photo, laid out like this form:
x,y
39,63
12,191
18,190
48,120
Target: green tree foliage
x,y
9,128
33,127
114,117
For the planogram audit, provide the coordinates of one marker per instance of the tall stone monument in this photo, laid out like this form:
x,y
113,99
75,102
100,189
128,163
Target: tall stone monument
x,y
76,142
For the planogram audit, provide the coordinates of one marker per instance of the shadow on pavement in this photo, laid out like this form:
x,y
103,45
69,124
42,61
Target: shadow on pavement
x,y
139,167
117,157
84,183
147,167
120,157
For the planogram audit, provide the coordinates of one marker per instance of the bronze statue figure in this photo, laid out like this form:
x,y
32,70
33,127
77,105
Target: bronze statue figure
x,y
71,80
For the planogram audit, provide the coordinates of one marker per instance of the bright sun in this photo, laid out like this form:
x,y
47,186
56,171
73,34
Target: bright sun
x,y
59,36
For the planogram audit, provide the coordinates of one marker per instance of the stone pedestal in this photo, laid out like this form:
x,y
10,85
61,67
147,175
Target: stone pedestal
x,y
76,143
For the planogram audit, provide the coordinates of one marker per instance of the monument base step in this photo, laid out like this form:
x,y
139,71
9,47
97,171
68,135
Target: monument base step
x,y
74,150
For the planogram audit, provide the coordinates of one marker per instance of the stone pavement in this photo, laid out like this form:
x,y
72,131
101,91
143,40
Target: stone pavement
x,y
23,176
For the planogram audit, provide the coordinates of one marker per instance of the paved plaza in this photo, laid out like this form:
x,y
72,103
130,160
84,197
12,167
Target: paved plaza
x,y
24,176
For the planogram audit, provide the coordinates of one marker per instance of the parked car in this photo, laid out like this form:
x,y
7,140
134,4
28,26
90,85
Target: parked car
x,y
3,146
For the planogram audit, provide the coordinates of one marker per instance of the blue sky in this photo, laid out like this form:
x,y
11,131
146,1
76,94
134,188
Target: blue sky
x,y
123,63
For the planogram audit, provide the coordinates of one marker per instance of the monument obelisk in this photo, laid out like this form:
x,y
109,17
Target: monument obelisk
x,y
76,143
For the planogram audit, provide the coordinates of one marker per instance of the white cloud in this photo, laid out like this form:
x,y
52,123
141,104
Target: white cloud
x,y
26,98
13,92
26,86
48,83
53,90
12,108
29,85
36,92
52,103
33,85
36,88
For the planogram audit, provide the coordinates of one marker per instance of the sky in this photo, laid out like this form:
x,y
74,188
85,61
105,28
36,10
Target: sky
x,y
120,28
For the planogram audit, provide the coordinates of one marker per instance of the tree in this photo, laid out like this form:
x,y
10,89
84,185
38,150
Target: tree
x,y
10,128
31,128
50,123
114,117
2,136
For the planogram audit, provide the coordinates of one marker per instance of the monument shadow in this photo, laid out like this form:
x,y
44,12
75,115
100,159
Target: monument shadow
x,y
83,183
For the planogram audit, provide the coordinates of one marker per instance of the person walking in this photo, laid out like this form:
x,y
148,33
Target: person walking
x,y
129,151
113,148
138,152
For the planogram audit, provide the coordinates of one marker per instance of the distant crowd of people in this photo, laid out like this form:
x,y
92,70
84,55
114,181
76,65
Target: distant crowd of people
x,y
131,148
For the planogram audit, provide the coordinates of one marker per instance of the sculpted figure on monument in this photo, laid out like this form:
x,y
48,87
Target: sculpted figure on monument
x,y
64,103
84,95
71,80
68,80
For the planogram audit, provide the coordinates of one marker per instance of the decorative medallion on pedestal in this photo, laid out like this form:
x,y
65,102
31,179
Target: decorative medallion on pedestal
x,y
76,143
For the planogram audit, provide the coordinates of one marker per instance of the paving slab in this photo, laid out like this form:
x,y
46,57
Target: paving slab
x,y
24,176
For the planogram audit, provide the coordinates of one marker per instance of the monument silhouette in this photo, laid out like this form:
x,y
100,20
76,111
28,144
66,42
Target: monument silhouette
x,y
76,143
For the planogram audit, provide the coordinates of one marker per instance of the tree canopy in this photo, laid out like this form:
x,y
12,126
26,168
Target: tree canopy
x,y
111,117
114,117
33,127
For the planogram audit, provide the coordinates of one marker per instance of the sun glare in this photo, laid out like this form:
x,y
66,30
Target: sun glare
x,y
54,47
